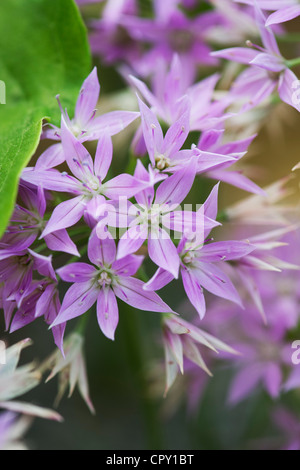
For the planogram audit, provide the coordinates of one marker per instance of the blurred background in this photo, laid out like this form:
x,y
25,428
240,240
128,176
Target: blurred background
x,y
127,377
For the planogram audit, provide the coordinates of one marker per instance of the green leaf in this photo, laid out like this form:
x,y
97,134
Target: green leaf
x,y
44,51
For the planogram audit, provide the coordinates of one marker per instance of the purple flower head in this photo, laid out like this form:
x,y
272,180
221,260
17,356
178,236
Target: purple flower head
x,y
41,300
16,272
87,182
172,94
107,279
199,265
110,38
27,223
269,70
85,126
156,215
171,31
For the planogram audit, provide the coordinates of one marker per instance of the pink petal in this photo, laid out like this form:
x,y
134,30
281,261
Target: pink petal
x,y
194,291
175,189
111,123
283,15
123,186
88,99
130,290
60,241
101,251
78,158
163,252
78,300
65,215
132,240
103,157
152,131
76,272
107,312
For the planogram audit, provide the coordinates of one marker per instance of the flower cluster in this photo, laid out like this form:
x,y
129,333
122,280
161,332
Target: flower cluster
x,y
124,236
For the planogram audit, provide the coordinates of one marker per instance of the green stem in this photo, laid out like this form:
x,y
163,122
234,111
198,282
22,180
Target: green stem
x,y
293,62
137,361
290,37
82,324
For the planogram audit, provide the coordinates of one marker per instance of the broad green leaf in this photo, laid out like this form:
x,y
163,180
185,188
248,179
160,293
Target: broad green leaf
x,y
43,52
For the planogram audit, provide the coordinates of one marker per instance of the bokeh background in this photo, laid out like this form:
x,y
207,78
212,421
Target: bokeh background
x,y
128,373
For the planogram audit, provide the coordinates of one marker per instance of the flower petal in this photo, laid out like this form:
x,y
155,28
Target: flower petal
x,y
107,312
78,300
130,290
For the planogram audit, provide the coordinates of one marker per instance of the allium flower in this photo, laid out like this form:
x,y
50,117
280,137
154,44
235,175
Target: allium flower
x,y
172,93
171,31
269,70
16,381
102,283
85,126
41,300
17,270
285,10
165,153
71,369
155,213
110,38
27,223
87,182
181,339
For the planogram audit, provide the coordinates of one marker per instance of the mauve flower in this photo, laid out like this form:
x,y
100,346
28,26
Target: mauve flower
x,y
269,70
107,279
16,272
41,300
110,38
87,182
169,32
198,268
85,126
155,213
172,93
165,153
181,340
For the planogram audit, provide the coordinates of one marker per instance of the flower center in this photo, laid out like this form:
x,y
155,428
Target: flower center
x,y
181,40
162,162
105,279
189,257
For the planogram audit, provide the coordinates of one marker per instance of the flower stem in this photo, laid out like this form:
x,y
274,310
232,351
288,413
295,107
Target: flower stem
x,y
293,62
137,361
